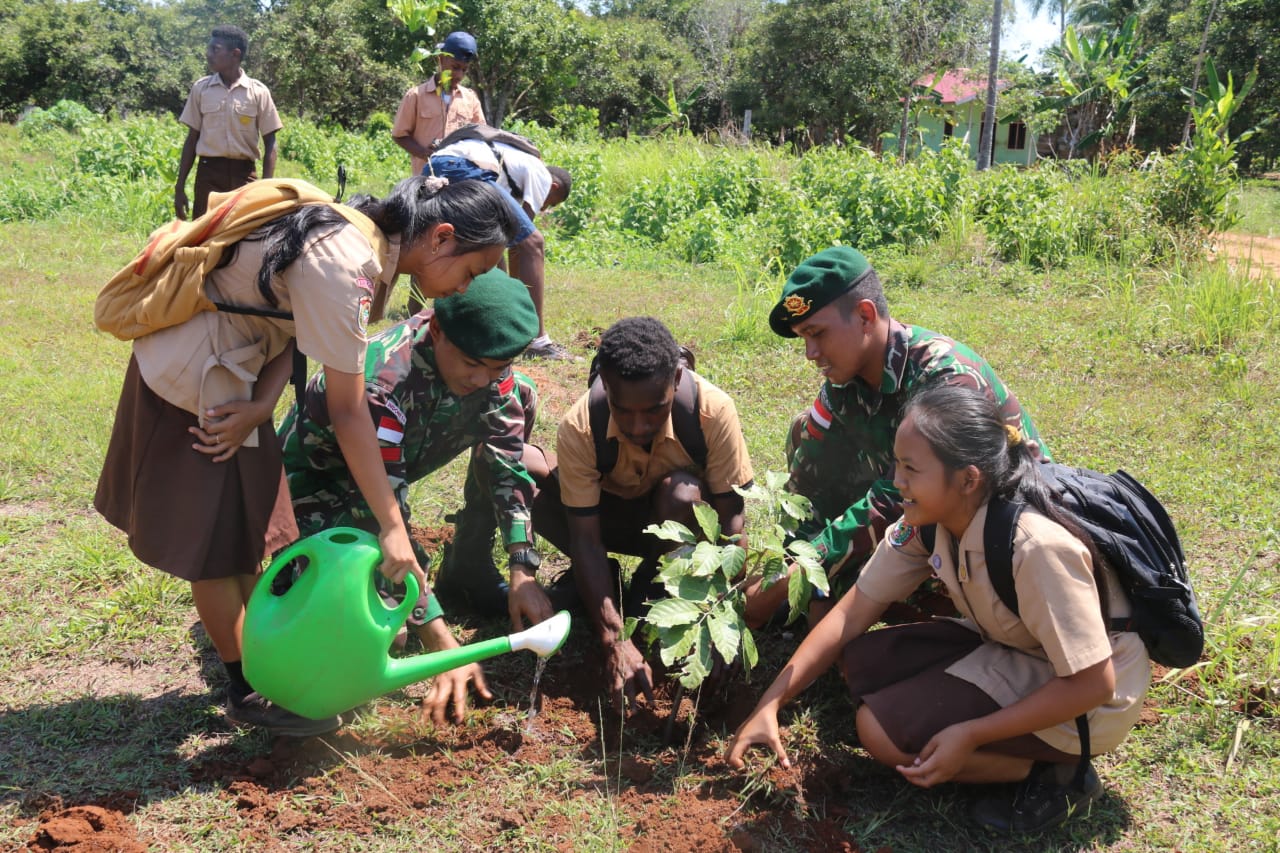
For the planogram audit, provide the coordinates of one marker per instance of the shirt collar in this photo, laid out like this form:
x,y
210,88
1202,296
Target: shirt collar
x,y
239,81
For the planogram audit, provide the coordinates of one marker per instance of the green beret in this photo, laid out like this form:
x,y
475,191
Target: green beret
x,y
494,319
815,284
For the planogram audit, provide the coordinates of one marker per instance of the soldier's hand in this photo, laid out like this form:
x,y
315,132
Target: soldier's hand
x,y
180,202
526,600
398,559
451,688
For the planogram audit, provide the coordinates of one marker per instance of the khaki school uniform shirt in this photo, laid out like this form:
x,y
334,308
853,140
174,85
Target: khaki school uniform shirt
x,y
215,357
1059,633
638,471
230,121
423,115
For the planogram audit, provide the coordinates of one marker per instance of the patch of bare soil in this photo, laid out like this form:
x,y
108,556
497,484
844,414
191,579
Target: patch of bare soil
x,y
86,829
1259,255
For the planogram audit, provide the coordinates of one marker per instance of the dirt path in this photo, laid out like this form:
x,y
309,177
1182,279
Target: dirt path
x,y
1259,255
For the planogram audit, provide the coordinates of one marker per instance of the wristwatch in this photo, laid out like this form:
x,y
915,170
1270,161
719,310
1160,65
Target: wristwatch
x,y
526,557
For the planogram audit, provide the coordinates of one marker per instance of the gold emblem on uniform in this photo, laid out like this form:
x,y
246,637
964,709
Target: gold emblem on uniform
x,y
797,305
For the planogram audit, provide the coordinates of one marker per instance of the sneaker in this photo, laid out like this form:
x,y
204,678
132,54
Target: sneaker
x,y
549,350
1041,802
257,710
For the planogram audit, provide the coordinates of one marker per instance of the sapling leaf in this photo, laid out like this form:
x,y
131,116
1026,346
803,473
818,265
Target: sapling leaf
x,y
689,588
672,531
732,559
775,569
798,591
705,560
629,626
697,665
725,627
670,612
750,657
708,520
675,643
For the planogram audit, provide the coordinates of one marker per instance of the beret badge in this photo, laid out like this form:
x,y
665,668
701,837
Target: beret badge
x,y
797,306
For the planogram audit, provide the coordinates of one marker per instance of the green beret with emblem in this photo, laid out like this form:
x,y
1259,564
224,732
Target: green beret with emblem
x,y
494,318
815,284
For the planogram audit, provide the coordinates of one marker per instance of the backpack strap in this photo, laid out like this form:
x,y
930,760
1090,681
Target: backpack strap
x,y
997,541
685,422
517,191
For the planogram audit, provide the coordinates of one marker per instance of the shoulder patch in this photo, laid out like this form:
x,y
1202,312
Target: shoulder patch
x,y
366,306
507,384
901,533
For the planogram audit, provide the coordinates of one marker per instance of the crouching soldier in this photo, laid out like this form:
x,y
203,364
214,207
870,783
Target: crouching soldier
x,y
438,385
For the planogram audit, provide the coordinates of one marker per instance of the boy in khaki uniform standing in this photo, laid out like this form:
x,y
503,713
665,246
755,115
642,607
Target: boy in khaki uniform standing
x,y
225,114
431,111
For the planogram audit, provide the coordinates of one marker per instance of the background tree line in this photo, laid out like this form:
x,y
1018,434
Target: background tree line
x,y
811,71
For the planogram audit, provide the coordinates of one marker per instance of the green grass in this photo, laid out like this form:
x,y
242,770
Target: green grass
x,y
1259,201
1169,373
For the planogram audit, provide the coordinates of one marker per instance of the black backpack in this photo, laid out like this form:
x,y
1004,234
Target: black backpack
x,y
684,419
1134,534
490,135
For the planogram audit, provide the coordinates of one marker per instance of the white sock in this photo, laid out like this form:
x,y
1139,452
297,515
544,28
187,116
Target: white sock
x,y
541,340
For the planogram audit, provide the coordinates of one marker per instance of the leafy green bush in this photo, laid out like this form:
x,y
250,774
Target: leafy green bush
x,y
143,148
64,115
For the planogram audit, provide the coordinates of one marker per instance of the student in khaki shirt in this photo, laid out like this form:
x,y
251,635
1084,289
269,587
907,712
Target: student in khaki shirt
x,y
193,470
587,514
992,697
431,111
225,114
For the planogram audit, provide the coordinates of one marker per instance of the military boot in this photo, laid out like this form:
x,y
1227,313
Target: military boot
x,y
468,574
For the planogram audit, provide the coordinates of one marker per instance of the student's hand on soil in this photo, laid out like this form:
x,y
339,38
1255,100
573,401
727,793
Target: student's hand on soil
x,y
451,688
526,600
761,729
397,556
629,675
942,757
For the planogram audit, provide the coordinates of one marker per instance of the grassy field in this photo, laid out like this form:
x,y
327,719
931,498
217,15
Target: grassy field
x,y
1169,373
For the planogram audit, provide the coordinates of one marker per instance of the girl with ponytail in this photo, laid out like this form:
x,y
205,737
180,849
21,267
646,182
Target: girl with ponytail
x,y
193,471
993,697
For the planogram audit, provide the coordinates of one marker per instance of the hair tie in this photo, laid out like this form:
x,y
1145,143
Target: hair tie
x,y
1013,434
432,184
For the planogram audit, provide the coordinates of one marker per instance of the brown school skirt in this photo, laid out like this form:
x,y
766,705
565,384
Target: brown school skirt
x,y
185,514
900,673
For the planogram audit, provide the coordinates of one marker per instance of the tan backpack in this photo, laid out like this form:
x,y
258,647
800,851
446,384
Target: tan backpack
x,y
164,285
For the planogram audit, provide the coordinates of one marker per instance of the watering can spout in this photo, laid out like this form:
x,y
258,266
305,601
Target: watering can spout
x,y
543,639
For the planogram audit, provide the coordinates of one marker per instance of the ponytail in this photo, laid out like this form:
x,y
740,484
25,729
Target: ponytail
x,y
964,427
477,211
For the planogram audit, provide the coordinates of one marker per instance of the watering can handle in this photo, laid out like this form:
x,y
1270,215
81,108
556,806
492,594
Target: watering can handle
x,y
411,591
285,558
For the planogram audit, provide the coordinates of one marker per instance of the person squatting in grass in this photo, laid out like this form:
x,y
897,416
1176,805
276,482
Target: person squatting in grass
x,y
531,188
225,114
587,513
438,385
840,451
203,496
991,697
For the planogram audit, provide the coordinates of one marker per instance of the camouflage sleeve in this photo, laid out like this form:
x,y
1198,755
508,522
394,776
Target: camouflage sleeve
x,y
856,533
389,421
500,453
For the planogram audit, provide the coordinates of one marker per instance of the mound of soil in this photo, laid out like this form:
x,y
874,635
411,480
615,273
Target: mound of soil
x,y
86,829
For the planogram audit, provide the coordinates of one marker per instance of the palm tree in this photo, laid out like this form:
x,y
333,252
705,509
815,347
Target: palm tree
x,y
1059,7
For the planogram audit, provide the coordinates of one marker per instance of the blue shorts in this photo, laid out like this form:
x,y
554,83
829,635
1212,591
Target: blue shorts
x,y
458,169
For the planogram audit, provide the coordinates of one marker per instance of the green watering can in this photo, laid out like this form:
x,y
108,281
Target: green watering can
x,y
321,647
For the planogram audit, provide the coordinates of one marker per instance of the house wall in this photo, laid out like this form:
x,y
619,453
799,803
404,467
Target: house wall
x,y
969,122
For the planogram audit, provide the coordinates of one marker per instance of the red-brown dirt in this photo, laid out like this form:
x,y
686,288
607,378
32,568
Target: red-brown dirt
x,y
1260,255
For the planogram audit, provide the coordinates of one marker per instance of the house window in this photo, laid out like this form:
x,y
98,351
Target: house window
x,y
1017,136
948,130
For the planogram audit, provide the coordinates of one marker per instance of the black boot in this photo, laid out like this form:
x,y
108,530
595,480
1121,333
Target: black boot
x,y
468,575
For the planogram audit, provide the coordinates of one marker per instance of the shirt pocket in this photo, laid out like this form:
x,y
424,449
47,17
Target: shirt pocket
x,y
429,107
246,113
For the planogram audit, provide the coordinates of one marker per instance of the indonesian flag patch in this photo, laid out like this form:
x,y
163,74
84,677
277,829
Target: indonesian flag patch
x,y
390,430
819,416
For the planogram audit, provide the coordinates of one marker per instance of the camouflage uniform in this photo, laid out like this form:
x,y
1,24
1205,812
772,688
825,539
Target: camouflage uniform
x,y
841,450
421,426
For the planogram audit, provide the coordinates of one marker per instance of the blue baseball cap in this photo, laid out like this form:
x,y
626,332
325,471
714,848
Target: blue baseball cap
x,y
459,45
